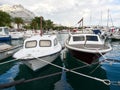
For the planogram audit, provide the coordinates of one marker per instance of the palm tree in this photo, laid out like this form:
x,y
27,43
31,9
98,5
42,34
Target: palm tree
x,y
5,19
18,21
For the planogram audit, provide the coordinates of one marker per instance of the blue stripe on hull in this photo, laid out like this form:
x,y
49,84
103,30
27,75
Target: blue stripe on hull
x,y
5,38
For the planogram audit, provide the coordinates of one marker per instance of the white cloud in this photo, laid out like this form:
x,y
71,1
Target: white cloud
x,y
69,12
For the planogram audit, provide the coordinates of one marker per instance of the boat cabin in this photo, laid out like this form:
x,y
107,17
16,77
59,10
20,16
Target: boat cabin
x,y
4,31
41,42
85,38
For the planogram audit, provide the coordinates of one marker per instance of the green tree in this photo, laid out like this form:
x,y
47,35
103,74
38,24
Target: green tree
x,y
49,24
5,19
36,23
18,21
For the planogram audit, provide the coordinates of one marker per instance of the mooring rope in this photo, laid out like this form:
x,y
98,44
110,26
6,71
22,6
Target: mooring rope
x,y
9,61
21,81
105,81
12,60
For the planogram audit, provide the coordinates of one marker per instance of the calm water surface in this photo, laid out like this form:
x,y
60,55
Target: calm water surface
x,y
61,80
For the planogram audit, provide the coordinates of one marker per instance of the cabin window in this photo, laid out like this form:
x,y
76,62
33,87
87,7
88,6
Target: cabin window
x,y
31,44
78,38
91,38
45,43
55,42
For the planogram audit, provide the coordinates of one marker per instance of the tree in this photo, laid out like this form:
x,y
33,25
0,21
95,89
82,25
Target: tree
x,y
35,24
49,24
5,19
18,21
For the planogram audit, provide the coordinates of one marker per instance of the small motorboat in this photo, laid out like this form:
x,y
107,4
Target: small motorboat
x,y
37,48
16,35
87,47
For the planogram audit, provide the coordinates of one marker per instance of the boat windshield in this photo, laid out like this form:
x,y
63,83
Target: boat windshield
x,y
45,43
55,42
6,31
31,44
78,38
92,38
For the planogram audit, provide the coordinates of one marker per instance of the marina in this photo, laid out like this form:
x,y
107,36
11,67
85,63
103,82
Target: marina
x,y
54,78
59,45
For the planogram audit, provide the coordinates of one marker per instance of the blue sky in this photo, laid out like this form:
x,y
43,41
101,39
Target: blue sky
x,y
69,12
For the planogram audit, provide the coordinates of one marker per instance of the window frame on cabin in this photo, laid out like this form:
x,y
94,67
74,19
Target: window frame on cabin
x,y
32,46
78,38
46,45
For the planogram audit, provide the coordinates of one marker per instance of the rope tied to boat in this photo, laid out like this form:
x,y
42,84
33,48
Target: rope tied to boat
x,y
13,60
9,61
21,81
105,81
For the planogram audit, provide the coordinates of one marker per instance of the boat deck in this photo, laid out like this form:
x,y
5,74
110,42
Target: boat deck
x,y
5,47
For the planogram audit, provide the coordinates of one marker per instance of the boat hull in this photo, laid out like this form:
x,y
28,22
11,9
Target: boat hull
x,y
85,57
6,38
9,52
37,63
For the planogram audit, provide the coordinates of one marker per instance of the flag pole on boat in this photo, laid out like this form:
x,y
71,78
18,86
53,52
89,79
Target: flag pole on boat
x,y
81,23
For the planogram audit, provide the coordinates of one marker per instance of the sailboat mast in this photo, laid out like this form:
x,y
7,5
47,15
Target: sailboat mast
x,y
101,19
108,18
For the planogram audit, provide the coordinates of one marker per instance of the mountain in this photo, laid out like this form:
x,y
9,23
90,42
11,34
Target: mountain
x,y
18,11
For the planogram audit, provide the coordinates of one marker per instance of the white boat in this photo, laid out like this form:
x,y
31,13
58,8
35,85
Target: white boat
x,y
7,50
37,48
115,35
17,35
87,47
4,34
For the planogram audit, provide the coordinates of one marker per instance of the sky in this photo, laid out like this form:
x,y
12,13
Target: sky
x,y
69,12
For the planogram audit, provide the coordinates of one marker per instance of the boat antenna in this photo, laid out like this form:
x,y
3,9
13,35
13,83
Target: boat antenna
x,y
41,26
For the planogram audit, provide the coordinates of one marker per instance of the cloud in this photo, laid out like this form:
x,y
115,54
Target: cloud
x,y
69,12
